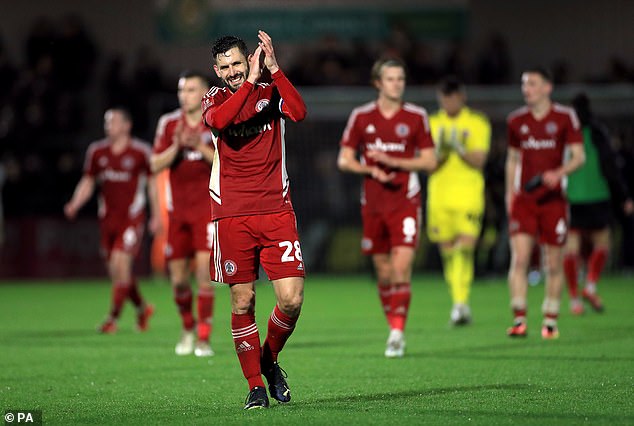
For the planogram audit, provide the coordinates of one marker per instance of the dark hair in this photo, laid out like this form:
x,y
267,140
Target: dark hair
x,y
226,43
542,71
195,74
581,104
375,73
450,84
125,112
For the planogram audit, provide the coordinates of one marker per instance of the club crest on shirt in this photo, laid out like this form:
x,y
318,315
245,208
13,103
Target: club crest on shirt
x,y
402,130
261,104
524,129
551,127
127,162
102,161
230,267
366,244
370,129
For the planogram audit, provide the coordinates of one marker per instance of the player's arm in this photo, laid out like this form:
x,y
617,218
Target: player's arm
x,y
219,116
163,160
207,151
155,215
293,105
475,159
83,191
476,153
347,162
577,157
165,151
423,160
512,161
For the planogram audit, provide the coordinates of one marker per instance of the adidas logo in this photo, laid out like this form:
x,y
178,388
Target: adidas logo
x,y
370,128
244,347
300,267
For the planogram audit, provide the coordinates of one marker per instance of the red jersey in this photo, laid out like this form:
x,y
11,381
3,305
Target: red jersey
x,y
189,173
122,176
400,136
541,142
248,175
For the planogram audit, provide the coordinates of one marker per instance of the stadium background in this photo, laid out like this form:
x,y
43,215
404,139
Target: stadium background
x,y
62,63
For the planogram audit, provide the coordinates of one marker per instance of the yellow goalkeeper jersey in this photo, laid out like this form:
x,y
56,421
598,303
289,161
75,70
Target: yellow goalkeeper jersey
x,y
456,184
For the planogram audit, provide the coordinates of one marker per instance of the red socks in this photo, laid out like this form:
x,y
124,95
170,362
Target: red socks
x,y
183,299
571,269
205,313
135,295
247,342
280,328
596,263
385,295
519,314
120,293
399,305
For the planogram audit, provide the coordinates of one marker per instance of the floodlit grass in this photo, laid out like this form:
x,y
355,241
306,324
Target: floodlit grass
x,y
52,359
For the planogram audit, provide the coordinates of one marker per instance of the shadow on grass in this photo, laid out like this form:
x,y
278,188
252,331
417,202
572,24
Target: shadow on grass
x,y
343,402
414,393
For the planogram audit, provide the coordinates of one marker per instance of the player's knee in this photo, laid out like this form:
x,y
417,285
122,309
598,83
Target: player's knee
x,y
181,287
519,263
553,268
243,302
292,305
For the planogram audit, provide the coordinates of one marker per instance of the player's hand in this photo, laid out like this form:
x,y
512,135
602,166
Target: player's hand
x,y
255,65
382,158
457,147
381,175
628,207
551,178
177,137
70,211
156,225
442,148
269,54
190,138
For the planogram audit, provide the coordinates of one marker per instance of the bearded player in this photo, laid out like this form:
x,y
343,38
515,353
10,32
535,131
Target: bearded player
x,y
253,218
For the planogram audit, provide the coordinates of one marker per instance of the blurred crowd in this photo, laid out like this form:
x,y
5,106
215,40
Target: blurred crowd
x,y
45,102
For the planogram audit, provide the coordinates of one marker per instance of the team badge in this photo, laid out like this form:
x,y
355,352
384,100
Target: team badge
x,y
103,161
402,130
370,129
524,129
262,103
230,267
551,127
127,162
366,244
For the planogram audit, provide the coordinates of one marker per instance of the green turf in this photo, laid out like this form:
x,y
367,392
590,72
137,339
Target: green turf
x,y
52,359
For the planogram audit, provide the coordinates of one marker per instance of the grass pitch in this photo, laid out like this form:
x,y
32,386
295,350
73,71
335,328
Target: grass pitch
x,y
52,359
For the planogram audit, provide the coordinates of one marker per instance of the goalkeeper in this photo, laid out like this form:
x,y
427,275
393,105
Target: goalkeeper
x,y
455,192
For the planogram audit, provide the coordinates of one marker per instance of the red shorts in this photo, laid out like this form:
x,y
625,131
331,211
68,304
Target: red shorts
x,y
243,243
125,236
384,230
186,236
547,221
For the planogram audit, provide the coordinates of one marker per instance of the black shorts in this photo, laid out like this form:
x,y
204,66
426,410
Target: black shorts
x,y
590,216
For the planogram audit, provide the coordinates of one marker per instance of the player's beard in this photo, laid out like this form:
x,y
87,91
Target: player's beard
x,y
233,87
